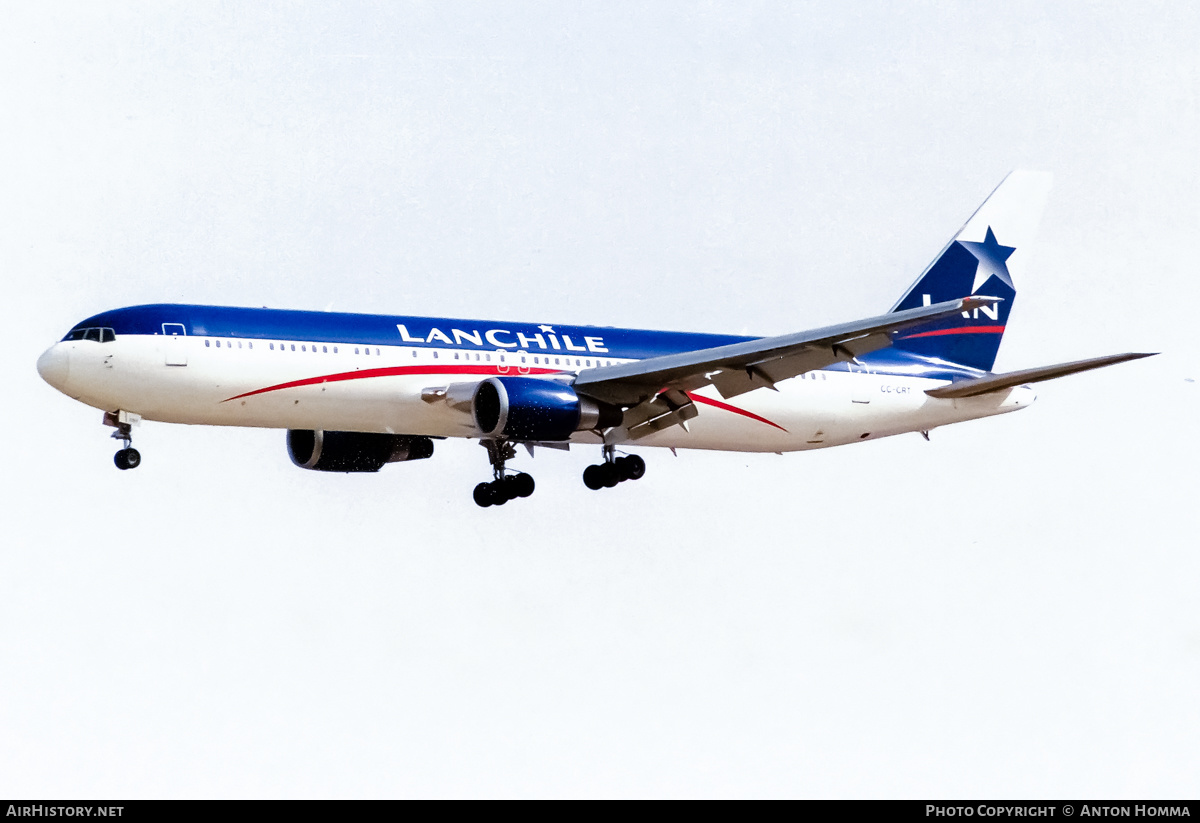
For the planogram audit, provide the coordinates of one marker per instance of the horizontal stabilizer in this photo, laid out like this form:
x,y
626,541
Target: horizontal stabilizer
x,y
999,382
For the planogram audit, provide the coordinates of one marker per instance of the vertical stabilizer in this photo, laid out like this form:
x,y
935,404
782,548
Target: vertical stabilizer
x,y
988,256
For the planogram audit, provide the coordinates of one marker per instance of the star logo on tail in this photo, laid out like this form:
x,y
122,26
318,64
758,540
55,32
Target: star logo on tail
x,y
991,256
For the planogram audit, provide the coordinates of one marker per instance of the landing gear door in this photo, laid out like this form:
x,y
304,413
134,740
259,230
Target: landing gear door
x,y
175,344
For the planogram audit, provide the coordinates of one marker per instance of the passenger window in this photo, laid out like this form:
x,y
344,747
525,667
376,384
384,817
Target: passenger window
x,y
335,349
456,355
324,350
377,352
293,347
207,344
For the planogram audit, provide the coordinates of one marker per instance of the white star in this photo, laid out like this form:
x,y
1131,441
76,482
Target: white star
x,y
991,256
547,329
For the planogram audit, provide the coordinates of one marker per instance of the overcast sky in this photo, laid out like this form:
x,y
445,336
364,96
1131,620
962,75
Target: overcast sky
x,y
1007,611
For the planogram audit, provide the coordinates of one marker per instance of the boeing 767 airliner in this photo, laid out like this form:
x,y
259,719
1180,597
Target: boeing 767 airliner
x,y
357,391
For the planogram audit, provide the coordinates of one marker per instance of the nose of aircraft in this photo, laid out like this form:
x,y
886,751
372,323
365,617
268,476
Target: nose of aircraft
x,y
55,366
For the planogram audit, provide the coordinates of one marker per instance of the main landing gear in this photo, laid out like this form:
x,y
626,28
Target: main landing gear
x,y
613,470
506,486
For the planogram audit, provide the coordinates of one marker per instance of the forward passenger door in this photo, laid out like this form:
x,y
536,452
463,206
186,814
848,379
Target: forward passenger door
x,y
175,344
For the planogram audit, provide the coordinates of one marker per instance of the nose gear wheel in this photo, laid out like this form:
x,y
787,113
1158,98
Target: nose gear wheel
x,y
128,457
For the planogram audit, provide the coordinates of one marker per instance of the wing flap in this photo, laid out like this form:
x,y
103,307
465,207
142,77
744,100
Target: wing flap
x,y
672,407
1000,382
732,383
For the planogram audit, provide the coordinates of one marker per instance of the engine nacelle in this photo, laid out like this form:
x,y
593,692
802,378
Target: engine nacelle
x,y
526,408
353,451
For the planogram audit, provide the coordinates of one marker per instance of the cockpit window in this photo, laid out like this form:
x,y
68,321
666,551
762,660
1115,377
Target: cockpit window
x,y
98,335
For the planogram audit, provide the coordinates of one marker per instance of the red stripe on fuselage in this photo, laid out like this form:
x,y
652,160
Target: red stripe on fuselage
x,y
708,401
390,371
401,371
963,330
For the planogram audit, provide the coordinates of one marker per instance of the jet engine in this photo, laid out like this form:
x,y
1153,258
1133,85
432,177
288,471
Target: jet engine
x,y
526,408
326,451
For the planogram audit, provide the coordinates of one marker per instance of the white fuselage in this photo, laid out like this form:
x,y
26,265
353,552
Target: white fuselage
x,y
243,382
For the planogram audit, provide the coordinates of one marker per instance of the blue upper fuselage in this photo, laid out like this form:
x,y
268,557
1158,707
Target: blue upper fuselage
x,y
389,330
468,335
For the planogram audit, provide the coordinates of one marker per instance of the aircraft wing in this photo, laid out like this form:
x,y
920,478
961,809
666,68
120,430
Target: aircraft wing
x,y
741,367
999,382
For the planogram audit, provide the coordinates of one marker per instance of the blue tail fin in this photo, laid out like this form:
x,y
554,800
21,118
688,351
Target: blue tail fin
x,y
987,256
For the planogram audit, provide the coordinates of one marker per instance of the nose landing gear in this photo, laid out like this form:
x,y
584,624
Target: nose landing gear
x,y
504,487
613,470
123,422
128,458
